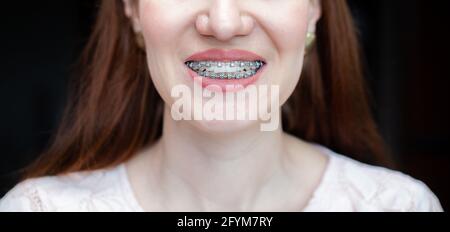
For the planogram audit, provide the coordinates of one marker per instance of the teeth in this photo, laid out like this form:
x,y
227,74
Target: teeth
x,y
225,70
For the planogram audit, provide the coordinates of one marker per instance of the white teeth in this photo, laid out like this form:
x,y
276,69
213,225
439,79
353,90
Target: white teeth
x,y
225,70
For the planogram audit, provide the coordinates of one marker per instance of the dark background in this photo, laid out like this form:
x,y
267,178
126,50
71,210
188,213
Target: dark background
x,y
406,43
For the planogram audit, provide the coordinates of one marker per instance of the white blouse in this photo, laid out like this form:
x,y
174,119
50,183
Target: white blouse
x,y
347,186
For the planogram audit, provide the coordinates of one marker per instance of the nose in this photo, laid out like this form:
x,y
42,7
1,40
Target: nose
x,y
224,20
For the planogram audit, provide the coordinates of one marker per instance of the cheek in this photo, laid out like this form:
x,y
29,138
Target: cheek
x,y
160,24
287,28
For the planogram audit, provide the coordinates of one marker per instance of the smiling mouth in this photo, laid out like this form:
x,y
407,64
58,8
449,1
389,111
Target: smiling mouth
x,y
226,70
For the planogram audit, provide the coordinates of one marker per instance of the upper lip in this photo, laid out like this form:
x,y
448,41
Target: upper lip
x,y
225,55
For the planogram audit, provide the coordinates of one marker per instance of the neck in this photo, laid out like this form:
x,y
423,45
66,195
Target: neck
x,y
218,170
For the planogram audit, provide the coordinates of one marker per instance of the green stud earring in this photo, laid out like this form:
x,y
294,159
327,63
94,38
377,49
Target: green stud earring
x,y
140,40
310,39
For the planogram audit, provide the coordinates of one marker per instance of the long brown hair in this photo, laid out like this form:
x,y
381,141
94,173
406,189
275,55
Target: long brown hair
x,y
114,110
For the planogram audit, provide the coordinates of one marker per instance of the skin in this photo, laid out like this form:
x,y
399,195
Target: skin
x,y
228,165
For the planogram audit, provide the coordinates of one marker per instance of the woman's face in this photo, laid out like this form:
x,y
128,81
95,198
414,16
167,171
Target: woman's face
x,y
271,32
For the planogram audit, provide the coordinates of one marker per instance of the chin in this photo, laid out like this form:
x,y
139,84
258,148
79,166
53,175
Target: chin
x,y
224,126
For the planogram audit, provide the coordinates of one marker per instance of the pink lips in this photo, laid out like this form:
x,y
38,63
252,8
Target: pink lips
x,y
223,55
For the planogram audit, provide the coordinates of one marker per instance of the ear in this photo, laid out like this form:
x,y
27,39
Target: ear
x,y
315,12
131,10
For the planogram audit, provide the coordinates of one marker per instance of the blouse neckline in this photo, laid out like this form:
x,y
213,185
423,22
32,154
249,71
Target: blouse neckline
x,y
131,197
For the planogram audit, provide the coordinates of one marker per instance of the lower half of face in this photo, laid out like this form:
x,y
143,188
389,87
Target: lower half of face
x,y
225,84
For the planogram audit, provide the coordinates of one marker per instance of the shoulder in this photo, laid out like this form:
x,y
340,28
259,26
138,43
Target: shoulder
x,y
362,187
82,191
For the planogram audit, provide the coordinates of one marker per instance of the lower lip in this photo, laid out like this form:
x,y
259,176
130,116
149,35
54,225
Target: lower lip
x,y
232,85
